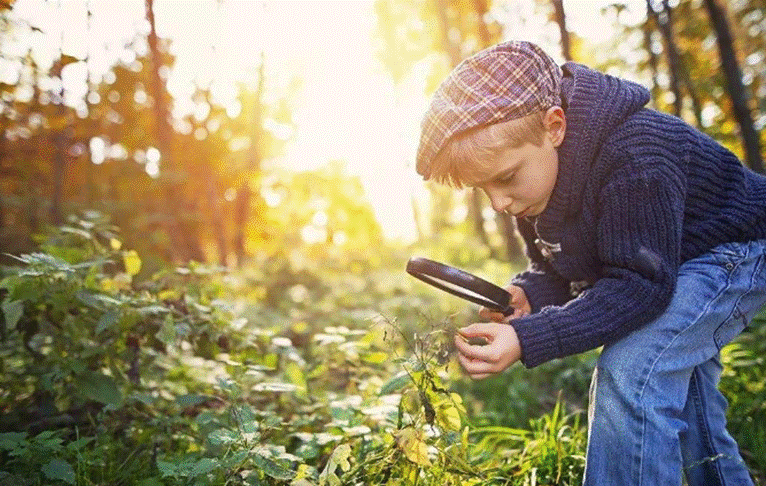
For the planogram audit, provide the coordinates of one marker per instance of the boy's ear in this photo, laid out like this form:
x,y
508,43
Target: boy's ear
x,y
555,122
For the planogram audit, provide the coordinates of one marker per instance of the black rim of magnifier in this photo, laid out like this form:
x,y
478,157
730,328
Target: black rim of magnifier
x,y
431,272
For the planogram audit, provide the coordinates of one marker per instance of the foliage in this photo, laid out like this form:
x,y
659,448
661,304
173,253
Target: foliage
x,y
197,377
274,376
743,383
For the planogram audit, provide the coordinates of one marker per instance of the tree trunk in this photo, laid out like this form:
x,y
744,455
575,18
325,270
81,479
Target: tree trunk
x,y
736,89
473,199
244,198
60,140
184,245
649,28
59,167
506,226
512,246
561,20
665,26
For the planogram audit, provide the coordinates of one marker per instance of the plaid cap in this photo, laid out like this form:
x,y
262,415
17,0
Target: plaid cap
x,y
504,82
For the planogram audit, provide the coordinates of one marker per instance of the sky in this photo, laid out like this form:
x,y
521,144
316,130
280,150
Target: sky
x,y
348,108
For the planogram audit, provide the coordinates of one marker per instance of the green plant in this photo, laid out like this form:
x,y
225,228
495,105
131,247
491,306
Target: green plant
x,y
743,383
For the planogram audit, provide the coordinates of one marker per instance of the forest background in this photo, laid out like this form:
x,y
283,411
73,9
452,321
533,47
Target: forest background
x,y
205,213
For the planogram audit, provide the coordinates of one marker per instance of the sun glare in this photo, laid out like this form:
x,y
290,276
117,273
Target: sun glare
x,y
347,108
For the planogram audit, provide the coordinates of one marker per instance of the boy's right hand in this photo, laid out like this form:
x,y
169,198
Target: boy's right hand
x,y
519,302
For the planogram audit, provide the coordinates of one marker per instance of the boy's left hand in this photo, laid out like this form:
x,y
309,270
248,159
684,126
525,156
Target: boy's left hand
x,y
501,351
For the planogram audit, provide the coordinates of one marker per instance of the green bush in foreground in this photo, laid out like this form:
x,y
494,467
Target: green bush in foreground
x,y
202,377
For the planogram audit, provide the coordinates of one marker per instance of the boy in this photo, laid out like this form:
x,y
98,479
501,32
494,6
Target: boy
x,y
644,236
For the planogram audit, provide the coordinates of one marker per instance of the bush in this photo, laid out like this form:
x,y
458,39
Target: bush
x,y
290,372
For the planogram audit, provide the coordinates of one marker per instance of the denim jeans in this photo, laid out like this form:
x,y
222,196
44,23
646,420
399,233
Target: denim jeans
x,y
655,409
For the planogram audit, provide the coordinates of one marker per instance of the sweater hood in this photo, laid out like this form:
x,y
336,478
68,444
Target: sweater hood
x,y
595,104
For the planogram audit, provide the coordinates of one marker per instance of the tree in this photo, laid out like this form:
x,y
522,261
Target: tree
x,y
457,29
561,21
245,195
185,246
737,92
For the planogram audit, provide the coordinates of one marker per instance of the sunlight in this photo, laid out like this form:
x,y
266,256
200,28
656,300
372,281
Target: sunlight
x,y
347,107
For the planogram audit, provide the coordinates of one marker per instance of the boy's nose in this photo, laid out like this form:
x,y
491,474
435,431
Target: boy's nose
x,y
499,202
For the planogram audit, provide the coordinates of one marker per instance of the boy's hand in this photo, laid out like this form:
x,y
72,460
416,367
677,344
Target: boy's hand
x,y
501,351
519,303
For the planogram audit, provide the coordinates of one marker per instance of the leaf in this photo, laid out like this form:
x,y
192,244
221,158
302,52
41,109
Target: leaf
x,y
167,468
12,310
275,387
76,231
222,437
395,383
132,262
99,387
59,470
339,458
167,333
190,400
275,468
152,309
376,357
107,321
410,441
203,466
448,416
97,301
12,440
79,443
295,374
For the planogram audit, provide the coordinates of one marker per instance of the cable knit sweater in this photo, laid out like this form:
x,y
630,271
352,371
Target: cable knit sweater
x,y
638,193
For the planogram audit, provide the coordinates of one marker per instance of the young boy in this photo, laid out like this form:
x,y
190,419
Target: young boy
x,y
644,236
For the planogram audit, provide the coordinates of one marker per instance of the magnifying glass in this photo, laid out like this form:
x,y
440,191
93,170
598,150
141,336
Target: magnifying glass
x,y
462,284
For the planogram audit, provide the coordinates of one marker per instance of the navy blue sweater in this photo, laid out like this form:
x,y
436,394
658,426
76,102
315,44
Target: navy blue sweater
x,y
638,193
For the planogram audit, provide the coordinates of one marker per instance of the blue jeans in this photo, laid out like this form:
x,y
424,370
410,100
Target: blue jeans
x,y
655,409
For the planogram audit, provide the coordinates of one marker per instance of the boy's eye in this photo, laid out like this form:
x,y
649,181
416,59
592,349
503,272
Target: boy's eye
x,y
507,179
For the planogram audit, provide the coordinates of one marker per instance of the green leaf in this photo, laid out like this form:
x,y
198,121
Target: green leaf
x,y
190,400
76,231
222,437
99,387
167,468
107,321
59,470
152,309
339,458
12,440
280,470
397,382
295,374
203,466
79,443
97,301
167,333
12,311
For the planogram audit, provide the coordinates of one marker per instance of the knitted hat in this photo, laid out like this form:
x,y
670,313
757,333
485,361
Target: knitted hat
x,y
501,83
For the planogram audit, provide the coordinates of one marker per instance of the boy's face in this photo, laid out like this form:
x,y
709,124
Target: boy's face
x,y
521,179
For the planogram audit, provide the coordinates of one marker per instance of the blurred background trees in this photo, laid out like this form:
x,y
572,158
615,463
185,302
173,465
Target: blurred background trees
x,y
185,178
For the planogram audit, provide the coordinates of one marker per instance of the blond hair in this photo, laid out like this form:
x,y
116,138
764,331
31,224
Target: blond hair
x,y
471,152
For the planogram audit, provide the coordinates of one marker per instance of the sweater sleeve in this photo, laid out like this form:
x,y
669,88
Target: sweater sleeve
x,y
540,281
639,238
